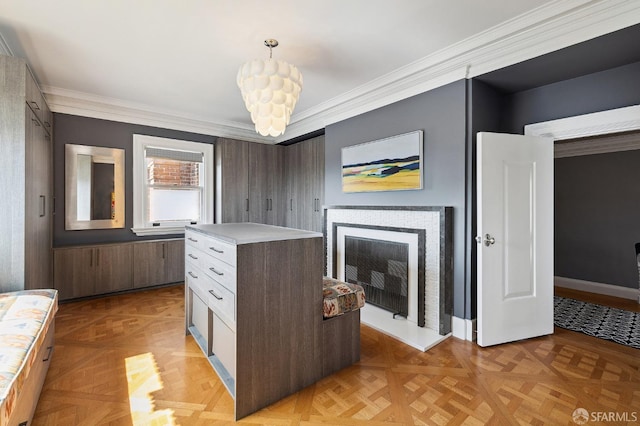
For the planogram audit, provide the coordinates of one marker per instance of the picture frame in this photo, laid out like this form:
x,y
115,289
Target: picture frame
x,y
390,164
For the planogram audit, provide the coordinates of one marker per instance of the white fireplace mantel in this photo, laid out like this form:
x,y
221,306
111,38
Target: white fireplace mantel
x,y
435,223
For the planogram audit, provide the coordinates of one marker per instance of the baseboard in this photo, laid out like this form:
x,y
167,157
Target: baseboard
x,y
598,288
464,329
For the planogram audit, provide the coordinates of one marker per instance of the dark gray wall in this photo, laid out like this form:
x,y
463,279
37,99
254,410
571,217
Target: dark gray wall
x,y
90,131
440,113
484,112
601,91
597,200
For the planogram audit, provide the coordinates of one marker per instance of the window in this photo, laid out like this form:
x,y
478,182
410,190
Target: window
x,y
173,184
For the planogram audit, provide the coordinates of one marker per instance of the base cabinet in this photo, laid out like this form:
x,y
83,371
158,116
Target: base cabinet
x,y
91,270
158,262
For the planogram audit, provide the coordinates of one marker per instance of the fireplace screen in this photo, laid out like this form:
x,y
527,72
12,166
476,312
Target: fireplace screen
x,y
381,268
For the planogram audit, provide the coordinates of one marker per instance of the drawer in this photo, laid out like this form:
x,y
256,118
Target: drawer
x,y
222,302
220,271
192,239
212,246
196,280
215,268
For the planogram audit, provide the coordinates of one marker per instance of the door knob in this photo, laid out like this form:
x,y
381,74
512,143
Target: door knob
x,y
488,240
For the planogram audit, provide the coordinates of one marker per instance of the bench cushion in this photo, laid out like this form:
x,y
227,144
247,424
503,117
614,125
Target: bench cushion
x,y
25,317
340,297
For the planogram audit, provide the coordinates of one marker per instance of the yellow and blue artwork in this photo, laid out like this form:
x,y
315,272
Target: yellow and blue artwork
x,y
389,164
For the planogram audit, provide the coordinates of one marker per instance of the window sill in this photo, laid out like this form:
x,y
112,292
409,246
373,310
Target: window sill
x,y
158,230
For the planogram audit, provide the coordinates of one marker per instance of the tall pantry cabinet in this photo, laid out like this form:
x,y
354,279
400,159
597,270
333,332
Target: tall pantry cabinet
x,y
26,181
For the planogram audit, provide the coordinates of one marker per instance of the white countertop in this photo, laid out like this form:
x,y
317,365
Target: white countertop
x,y
247,233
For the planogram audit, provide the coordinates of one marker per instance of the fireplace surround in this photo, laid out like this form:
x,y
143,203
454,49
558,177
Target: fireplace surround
x,y
430,228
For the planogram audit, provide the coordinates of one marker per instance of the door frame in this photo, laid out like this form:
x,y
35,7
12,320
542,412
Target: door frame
x,y
601,123
598,123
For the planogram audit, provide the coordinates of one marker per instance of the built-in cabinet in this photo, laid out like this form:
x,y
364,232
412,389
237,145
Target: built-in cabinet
x,y
232,181
249,179
305,184
90,270
158,262
266,178
274,185
253,300
26,181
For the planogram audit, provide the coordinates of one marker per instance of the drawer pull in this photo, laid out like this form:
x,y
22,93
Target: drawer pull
x,y
193,275
193,240
215,295
216,272
192,256
216,250
35,105
49,350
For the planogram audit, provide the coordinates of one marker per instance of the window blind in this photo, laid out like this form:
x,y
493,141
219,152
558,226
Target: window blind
x,y
172,154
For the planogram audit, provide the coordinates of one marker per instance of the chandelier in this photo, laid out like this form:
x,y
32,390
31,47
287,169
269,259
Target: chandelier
x,y
270,90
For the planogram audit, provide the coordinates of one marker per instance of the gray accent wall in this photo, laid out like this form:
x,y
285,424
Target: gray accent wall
x,y
440,113
111,134
597,200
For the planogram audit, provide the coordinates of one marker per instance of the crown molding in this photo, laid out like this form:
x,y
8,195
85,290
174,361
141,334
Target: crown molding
x,y
550,27
87,105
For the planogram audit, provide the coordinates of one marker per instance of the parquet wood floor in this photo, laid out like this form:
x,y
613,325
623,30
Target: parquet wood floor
x,y
124,360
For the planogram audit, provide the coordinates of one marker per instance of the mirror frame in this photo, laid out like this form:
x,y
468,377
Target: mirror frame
x,y
110,155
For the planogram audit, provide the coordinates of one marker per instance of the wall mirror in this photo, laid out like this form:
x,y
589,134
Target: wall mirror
x,y
94,187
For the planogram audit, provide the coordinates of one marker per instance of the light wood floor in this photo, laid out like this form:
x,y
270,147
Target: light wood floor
x,y
125,360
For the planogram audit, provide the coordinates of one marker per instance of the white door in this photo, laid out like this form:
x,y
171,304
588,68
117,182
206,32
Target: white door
x,y
515,237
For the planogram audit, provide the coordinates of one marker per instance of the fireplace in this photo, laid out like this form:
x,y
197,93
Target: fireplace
x,y
405,250
381,268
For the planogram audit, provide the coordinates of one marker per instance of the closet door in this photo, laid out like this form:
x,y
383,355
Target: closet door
x,y
259,183
293,173
38,202
232,181
317,183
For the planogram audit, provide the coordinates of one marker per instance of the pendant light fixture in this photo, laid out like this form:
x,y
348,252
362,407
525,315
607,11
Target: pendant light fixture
x,y
270,90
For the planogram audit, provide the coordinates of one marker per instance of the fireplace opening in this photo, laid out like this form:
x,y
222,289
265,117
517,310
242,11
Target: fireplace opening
x,y
381,268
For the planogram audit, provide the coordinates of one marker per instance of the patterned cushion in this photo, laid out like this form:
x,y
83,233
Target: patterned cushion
x,y
340,297
25,317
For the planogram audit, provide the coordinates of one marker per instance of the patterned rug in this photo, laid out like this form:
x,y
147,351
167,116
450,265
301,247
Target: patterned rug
x,y
599,321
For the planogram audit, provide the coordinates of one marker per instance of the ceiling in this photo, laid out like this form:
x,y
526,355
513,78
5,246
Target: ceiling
x,y
173,64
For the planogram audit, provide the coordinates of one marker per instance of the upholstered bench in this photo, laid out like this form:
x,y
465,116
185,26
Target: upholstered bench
x,y
341,325
26,343
339,297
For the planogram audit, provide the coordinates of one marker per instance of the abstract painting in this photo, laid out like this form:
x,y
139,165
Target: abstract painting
x,y
389,164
